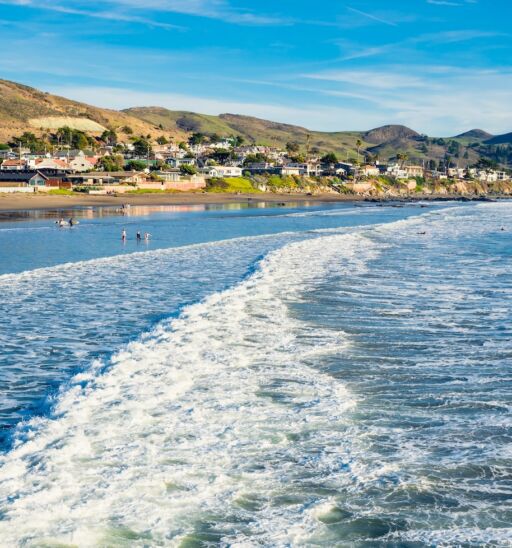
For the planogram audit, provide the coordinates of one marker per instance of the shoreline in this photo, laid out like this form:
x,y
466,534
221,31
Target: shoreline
x,y
32,202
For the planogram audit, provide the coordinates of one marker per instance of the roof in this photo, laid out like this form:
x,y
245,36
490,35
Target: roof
x,y
14,163
20,176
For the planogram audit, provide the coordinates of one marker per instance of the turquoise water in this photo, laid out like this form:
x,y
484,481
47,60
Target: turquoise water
x,y
321,376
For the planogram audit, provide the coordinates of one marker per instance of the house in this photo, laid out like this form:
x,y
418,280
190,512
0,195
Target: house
x,y
222,171
488,176
107,178
414,171
48,163
304,169
32,179
83,163
13,165
169,175
73,153
7,154
178,162
289,170
397,171
368,171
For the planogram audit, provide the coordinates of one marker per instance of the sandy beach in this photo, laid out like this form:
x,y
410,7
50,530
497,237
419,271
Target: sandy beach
x,y
18,202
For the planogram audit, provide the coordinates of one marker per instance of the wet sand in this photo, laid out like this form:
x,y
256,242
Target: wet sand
x,y
18,202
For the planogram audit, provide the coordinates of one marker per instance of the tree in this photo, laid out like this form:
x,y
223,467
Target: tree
x,y
162,140
196,139
109,137
72,138
237,140
136,165
28,140
188,170
359,144
257,158
111,163
292,147
221,155
127,130
402,158
141,147
329,159
3,146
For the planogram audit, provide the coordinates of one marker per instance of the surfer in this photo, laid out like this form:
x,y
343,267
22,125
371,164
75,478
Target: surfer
x,y
123,235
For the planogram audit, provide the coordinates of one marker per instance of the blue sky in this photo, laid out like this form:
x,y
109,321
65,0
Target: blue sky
x,y
439,66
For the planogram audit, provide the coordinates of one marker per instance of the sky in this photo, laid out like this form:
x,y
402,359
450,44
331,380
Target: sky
x,y
439,66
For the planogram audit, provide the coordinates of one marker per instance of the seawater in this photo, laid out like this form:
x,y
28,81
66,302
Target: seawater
x,y
331,376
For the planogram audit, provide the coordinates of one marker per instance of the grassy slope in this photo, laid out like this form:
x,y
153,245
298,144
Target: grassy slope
x,y
231,185
252,129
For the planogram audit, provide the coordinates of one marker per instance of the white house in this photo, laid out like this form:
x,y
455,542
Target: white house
x,y
222,171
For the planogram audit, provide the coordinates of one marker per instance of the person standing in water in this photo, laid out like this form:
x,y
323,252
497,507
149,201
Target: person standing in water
x,y
123,235
147,235
139,237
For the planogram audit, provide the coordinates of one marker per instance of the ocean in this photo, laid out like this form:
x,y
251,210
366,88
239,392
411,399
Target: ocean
x,y
332,375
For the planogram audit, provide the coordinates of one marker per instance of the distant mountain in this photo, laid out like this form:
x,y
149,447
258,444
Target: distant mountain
x,y
500,140
475,134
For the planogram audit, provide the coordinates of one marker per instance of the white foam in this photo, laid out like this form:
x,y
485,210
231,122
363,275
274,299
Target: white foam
x,y
189,418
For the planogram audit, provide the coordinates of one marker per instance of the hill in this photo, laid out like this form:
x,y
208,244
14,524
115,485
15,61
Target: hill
x,y
253,130
475,135
23,108
388,134
500,140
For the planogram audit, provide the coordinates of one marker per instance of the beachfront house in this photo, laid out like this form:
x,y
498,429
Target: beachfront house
x,y
222,171
169,175
32,179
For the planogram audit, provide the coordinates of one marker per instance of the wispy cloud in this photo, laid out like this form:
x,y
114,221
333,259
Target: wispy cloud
x,y
372,16
431,39
450,3
130,11
110,15
369,79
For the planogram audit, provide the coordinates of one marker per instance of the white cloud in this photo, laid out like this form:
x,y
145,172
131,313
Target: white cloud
x,y
369,79
130,10
110,15
438,100
213,9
